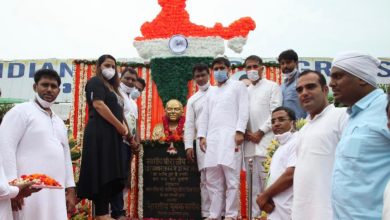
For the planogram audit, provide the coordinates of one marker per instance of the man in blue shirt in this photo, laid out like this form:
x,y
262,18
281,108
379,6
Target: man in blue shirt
x,y
362,164
288,61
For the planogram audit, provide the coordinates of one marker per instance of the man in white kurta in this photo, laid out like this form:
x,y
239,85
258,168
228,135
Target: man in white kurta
x,y
194,109
264,97
284,158
35,141
316,146
281,172
223,126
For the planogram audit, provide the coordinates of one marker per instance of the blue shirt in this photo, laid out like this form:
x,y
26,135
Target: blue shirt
x,y
362,164
290,97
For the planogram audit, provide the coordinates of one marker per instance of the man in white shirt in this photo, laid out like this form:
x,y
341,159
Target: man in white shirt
x,y
33,139
223,125
8,192
201,75
264,97
280,181
316,149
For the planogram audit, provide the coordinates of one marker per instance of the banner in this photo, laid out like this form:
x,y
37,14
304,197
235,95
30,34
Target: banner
x,y
17,77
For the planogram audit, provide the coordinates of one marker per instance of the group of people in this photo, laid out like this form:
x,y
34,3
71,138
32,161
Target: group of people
x,y
335,167
33,139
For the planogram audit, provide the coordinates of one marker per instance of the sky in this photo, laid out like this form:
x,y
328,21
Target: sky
x,y
86,29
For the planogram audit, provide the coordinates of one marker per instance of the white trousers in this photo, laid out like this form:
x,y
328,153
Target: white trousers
x,y
204,194
258,177
221,181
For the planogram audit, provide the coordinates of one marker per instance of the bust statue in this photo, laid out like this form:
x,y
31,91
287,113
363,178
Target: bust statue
x,y
172,128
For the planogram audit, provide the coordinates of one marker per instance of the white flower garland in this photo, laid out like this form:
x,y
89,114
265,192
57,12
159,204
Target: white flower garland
x,y
143,108
197,47
237,44
140,183
149,112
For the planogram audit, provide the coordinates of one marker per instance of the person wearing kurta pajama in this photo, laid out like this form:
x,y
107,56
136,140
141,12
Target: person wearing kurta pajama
x,y
226,112
33,141
191,126
264,97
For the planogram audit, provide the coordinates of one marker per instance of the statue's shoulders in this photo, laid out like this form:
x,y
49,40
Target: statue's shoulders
x,y
158,132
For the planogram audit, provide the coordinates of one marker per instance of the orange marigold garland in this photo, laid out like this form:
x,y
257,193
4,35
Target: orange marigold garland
x,y
173,136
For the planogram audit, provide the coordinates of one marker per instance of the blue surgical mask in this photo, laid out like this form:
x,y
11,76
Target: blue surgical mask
x,y
220,75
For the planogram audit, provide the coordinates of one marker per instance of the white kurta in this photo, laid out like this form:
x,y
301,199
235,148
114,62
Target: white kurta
x,y
130,106
130,110
315,159
284,157
6,193
227,111
33,142
264,97
195,106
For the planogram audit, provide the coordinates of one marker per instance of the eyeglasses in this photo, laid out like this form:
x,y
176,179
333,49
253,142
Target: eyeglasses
x,y
274,120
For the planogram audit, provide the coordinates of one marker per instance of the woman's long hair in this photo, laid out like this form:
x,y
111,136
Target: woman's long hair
x,y
113,83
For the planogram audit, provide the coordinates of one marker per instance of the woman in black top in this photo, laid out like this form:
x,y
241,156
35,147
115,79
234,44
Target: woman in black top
x,y
102,173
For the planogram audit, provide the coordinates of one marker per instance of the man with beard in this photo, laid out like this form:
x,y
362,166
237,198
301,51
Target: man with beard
x,y
288,61
33,139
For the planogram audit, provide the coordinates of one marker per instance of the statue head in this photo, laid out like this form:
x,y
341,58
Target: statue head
x,y
174,110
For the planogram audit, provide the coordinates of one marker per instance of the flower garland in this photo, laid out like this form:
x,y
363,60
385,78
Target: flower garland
x,y
271,149
300,123
203,41
174,19
173,136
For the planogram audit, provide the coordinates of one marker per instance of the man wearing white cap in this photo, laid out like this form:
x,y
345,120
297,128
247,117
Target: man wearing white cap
x,y
362,163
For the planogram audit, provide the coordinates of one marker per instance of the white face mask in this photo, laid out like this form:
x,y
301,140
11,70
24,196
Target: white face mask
x,y
108,73
253,75
43,103
204,87
282,138
135,94
288,75
126,89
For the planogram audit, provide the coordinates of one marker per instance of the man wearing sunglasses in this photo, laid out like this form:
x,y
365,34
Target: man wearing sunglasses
x,y
316,147
264,97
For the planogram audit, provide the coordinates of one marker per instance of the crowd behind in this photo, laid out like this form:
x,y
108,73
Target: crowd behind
x,y
337,166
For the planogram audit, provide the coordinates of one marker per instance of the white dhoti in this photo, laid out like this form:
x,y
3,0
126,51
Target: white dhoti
x,y
258,177
221,181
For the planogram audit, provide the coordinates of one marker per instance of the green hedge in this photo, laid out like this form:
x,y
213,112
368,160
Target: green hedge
x,y
172,74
